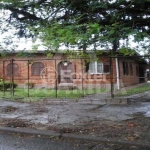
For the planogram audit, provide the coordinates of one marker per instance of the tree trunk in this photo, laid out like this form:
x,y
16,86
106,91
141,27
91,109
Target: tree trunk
x,y
114,49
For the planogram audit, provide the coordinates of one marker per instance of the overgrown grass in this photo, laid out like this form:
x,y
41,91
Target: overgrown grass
x,y
21,94
135,90
40,94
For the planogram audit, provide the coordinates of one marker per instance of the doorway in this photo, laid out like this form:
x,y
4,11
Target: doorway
x,y
65,72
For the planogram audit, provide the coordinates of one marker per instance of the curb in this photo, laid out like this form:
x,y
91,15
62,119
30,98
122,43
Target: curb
x,y
106,141
91,138
104,101
29,131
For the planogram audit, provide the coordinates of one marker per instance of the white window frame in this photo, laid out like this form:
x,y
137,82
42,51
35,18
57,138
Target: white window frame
x,y
95,68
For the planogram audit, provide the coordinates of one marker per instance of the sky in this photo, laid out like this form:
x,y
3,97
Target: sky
x,y
26,44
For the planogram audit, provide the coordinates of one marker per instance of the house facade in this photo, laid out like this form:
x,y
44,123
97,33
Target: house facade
x,y
62,72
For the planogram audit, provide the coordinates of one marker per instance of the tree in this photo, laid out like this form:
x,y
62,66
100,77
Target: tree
x,y
80,23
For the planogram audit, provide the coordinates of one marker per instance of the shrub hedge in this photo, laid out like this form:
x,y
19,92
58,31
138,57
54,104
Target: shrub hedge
x,y
7,85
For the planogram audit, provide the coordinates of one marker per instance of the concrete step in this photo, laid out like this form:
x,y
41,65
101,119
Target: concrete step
x,y
66,86
104,101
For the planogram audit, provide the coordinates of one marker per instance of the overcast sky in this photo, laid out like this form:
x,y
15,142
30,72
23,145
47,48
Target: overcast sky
x,y
26,44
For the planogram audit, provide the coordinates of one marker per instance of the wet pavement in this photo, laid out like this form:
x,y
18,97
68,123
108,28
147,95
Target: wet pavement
x,y
30,142
64,112
125,119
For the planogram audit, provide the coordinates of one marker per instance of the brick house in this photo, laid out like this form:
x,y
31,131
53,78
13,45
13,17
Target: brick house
x,y
61,72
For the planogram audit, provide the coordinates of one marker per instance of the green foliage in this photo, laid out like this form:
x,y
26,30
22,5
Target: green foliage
x,y
68,53
24,54
4,53
49,55
75,54
78,23
6,85
30,85
99,52
127,51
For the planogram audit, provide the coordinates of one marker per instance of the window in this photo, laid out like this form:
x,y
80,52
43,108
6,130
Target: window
x,y
137,70
12,69
131,69
106,67
36,68
99,67
125,68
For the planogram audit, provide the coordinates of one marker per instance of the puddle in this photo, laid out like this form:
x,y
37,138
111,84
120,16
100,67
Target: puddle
x,y
145,109
147,114
72,113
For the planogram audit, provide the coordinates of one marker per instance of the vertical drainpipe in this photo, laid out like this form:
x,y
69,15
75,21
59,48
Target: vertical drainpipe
x,y
117,73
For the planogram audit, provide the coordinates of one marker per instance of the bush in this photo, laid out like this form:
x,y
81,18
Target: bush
x,y
7,85
30,85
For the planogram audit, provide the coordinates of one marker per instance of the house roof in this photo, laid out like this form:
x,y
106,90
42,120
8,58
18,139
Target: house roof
x,y
101,53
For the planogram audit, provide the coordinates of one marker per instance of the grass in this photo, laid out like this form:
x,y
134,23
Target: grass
x,y
135,90
40,94
21,94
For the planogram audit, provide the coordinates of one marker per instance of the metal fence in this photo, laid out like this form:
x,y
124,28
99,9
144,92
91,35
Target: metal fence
x,y
73,78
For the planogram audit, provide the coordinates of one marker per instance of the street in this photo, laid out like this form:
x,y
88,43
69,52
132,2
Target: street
x,y
18,142
25,142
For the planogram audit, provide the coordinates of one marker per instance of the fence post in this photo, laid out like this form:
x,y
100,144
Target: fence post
x,y
111,77
55,79
28,78
3,80
82,78
12,77
149,68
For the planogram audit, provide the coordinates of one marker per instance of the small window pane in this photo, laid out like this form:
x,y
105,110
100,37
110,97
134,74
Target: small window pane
x,y
87,67
12,68
92,67
137,70
106,67
125,68
131,69
36,68
99,67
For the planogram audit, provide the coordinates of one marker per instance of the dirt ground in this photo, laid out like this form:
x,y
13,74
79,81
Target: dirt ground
x,y
133,130
130,122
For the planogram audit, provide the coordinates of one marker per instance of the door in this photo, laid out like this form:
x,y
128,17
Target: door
x,y
65,72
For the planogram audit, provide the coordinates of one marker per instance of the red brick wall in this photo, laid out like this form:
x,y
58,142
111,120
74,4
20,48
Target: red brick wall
x,y
128,80
80,76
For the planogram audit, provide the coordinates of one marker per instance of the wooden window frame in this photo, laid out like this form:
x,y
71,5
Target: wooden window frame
x,y
36,68
137,70
15,69
125,68
104,67
131,69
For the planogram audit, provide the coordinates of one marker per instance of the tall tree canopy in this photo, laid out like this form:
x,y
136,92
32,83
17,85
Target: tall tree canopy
x,y
78,22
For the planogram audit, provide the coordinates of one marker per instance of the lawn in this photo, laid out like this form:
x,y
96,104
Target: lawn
x,y
38,94
134,90
21,94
